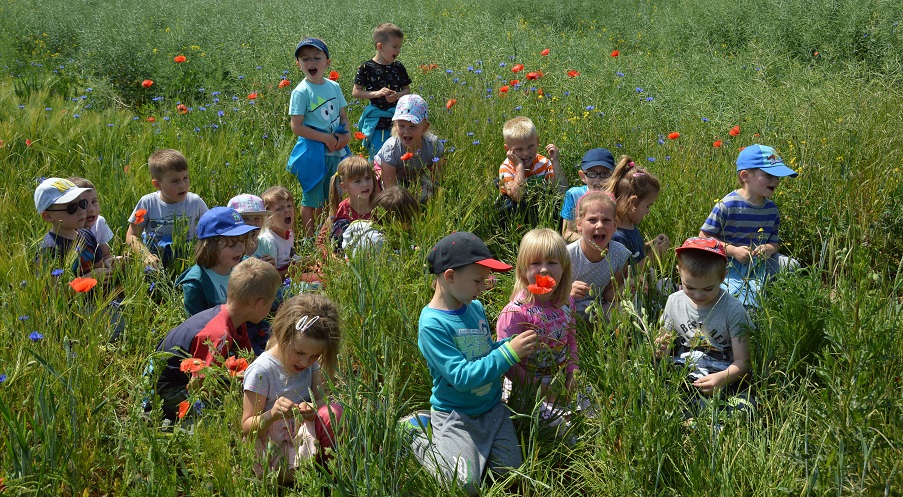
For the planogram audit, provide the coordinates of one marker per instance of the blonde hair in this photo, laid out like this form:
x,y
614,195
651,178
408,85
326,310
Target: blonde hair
x,y
594,198
164,161
630,184
81,182
318,319
350,169
518,128
253,279
386,31
207,251
275,194
542,243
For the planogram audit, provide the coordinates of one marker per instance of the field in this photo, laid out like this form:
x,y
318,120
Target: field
x,y
822,82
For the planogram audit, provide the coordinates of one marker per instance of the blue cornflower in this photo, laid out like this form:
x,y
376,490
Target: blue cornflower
x,y
57,272
705,119
518,108
21,106
618,145
567,93
470,68
639,90
650,159
198,406
455,80
202,108
649,99
201,90
76,116
109,125
661,141
35,336
2,378
221,113
667,157
241,77
590,108
470,133
166,118
436,159
476,142
448,71
502,64
157,99
478,71
24,318
48,108
153,285
89,90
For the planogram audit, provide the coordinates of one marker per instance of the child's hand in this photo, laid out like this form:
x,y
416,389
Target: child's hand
x,y
515,160
268,258
663,343
307,410
742,254
760,251
343,141
552,152
391,95
579,290
283,408
709,384
524,344
151,260
660,244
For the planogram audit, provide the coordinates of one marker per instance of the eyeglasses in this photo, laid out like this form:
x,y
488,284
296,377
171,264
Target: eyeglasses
x,y
594,174
73,207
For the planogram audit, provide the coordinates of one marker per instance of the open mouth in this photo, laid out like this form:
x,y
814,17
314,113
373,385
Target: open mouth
x,y
287,220
312,71
599,239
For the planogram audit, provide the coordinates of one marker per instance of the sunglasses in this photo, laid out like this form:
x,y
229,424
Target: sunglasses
x,y
73,207
594,174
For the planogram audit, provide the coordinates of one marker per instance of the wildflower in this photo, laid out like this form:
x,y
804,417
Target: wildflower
x,y
573,74
35,336
183,408
221,113
24,318
182,109
2,379
333,75
615,53
545,52
590,108
139,216
649,99
673,135
151,119
429,67
57,272
639,89
407,156
82,285
191,365
199,406
532,76
359,136
717,144
236,365
734,131
147,83
283,83
514,82
544,284
517,68
650,159
504,89
252,95
619,74
761,230
28,142
178,59
705,119
451,103
476,142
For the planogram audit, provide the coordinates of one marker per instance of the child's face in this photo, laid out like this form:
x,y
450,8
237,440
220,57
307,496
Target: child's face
x,y
173,186
595,177
359,188
93,208
283,217
313,64
301,353
597,226
253,219
544,266
702,291
524,148
231,251
758,183
59,216
642,207
467,283
410,134
389,50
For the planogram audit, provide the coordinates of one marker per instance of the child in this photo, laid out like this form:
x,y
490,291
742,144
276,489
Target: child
x,y
472,430
281,204
317,110
412,157
635,190
161,214
217,333
599,264
253,212
382,80
595,169
64,206
706,324
747,221
281,383
93,220
222,235
396,205
541,301
355,176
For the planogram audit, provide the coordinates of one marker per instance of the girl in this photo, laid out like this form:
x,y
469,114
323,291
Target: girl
x,y
356,177
255,214
635,190
222,235
280,385
540,301
281,226
412,156
598,262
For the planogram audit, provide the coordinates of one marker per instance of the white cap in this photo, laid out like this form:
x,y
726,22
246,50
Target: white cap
x,y
54,191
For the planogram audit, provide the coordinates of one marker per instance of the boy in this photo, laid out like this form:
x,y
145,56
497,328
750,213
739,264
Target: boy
x,y
280,227
707,325
94,222
158,214
317,110
62,204
523,165
219,332
747,221
471,426
595,169
382,80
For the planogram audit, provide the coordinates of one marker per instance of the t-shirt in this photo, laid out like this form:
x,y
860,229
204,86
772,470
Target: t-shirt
x,y
596,274
540,170
466,364
57,248
569,206
268,377
102,232
735,221
285,247
408,172
220,283
161,218
361,235
555,326
345,211
373,76
633,240
265,246
320,105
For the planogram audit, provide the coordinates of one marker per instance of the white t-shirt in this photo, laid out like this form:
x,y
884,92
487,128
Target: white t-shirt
x,y
102,232
285,248
266,376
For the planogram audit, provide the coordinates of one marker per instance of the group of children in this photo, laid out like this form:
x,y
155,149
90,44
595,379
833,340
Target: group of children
x,y
244,250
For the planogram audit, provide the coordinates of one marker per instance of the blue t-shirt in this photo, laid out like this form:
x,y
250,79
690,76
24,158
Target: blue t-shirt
x,y
320,105
220,284
633,240
569,206
466,364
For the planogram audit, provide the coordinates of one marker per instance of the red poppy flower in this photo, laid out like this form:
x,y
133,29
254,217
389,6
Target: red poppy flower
x,y
717,144
673,135
532,76
428,67
514,82
27,142
545,52
139,216
82,285
151,119
253,95
517,68
544,284
147,83
407,156
182,109
236,365
191,365
615,53
540,92
333,75
734,131
359,136
451,103
283,83
573,74
183,408
504,89
178,59
740,149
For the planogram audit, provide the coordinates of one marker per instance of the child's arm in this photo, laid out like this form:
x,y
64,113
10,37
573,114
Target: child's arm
x,y
358,91
552,152
510,324
740,252
735,372
389,175
515,188
330,140
395,95
253,417
133,240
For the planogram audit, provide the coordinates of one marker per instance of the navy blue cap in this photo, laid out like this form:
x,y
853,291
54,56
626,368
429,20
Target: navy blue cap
x,y
222,221
312,42
461,249
764,158
598,157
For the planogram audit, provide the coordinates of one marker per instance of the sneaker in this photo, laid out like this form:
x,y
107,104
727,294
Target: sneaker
x,y
417,422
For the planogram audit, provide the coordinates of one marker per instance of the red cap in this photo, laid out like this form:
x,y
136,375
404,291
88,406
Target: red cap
x,y
712,245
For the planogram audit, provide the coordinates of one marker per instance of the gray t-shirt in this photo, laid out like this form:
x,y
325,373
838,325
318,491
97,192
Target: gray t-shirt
x,y
266,376
596,274
408,172
160,218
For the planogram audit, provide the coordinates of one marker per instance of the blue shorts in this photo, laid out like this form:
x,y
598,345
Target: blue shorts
x,y
319,194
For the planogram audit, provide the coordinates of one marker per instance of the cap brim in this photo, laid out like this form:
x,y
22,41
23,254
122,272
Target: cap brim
x,y
678,251
494,265
254,213
780,171
408,117
588,165
70,195
239,230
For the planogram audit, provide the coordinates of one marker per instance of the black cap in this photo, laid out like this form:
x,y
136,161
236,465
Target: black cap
x,y
460,249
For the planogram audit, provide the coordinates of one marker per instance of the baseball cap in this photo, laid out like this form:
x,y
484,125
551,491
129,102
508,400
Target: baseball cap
x,y
411,108
53,191
222,221
460,249
598,157
711,245
247,204
764,158
312,42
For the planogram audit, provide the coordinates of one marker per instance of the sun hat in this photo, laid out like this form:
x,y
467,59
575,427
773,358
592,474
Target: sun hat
x,y
312,42
222,221
711,245
53,191
460,249
411,108
598,157
764,158
247,204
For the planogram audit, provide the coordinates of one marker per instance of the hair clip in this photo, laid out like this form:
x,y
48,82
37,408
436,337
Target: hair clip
x,y
305,322
637,175
630,165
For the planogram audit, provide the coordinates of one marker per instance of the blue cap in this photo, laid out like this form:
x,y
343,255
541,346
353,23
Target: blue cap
x,y
598,157
312,42
764,158
222,221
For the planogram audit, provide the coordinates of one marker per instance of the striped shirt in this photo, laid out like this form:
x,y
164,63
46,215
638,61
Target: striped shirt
x,y
737,222
541,169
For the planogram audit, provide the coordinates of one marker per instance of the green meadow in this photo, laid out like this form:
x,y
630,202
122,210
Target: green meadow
x,y
822,82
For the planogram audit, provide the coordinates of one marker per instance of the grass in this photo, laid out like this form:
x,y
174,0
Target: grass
x,y
818,81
